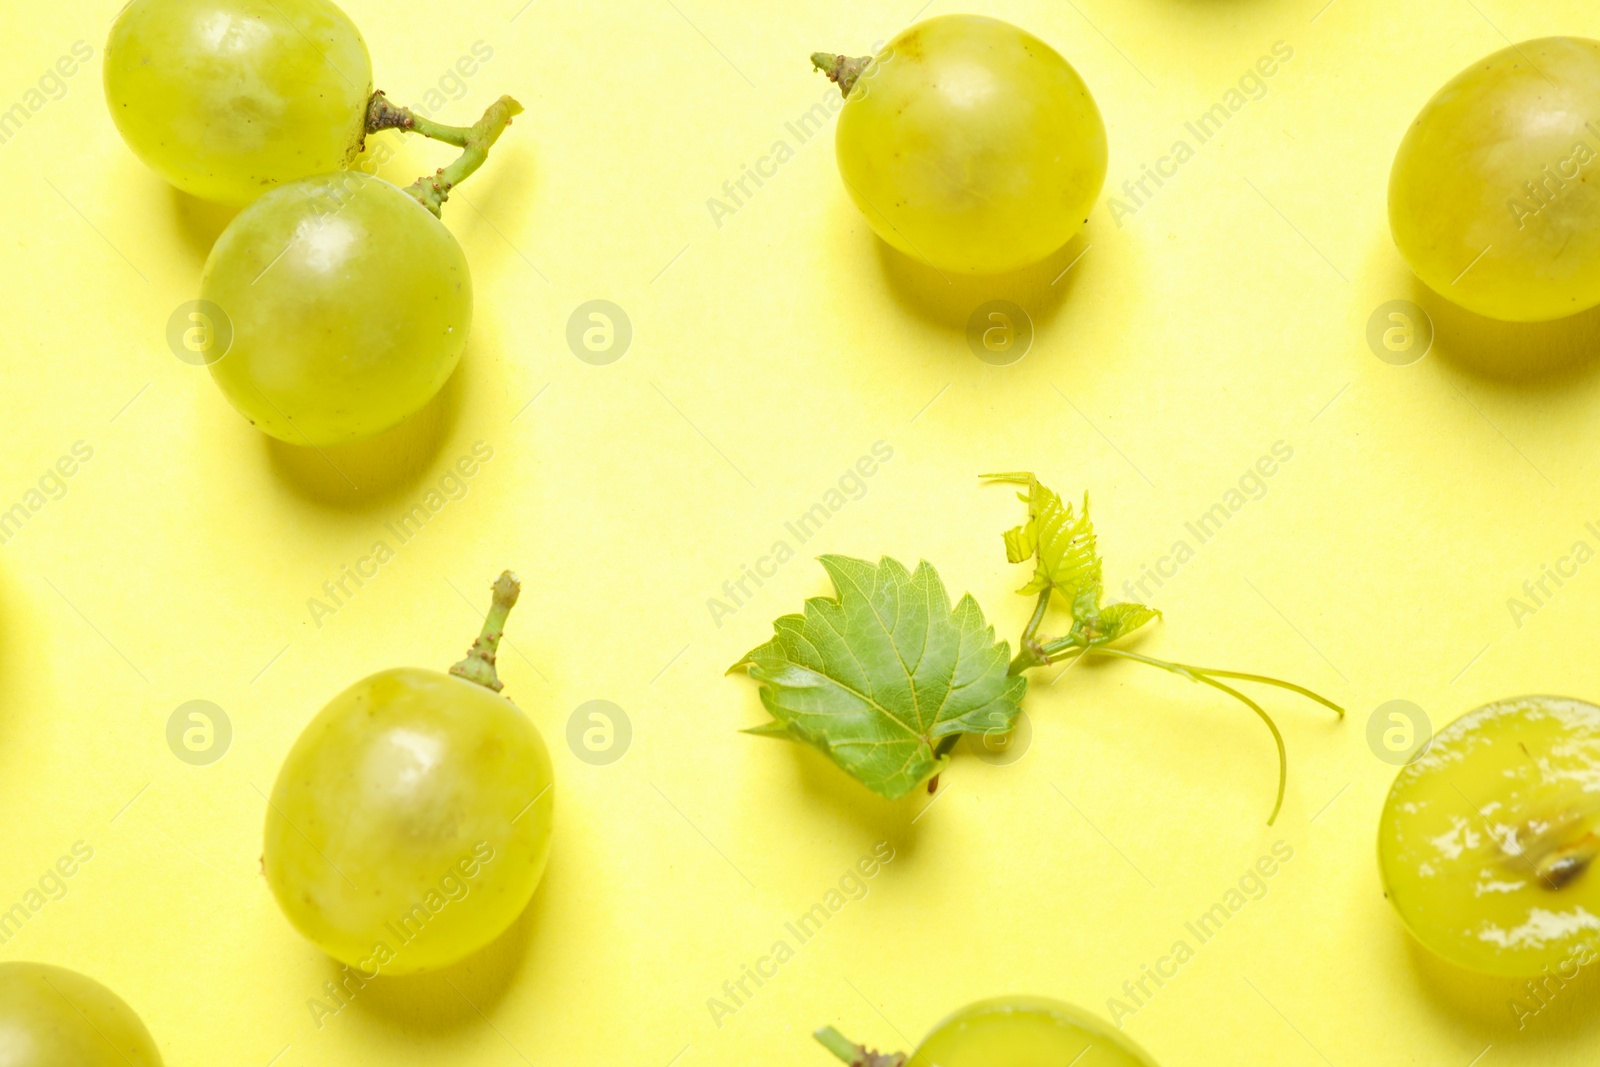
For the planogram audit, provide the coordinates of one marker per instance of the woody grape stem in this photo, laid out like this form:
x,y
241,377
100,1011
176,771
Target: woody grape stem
x,y
843,71
431,191
853,1054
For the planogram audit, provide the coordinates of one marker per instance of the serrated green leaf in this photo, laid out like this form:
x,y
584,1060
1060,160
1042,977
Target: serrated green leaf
x,y
877,676
1063,544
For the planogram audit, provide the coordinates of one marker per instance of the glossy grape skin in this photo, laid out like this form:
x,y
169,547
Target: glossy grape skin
x,y
349,303
1464,200
1026,1032
972,145
53,1017
390,795
227,98
1527,771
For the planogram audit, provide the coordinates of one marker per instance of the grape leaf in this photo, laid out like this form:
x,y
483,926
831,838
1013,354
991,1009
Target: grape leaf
x,y
1062,543
1067,562
877,676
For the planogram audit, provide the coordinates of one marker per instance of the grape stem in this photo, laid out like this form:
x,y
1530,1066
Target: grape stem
x,y
843,71
432,190
853,1054
479,665
1038,654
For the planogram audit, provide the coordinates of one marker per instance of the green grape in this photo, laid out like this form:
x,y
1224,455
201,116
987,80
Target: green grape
x,y
1009,1032
346,305
228,98
1487,838
410,824
969,144
1025,1032
1490,199
53,1017
349,304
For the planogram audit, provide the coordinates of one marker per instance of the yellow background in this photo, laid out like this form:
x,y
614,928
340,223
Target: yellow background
x,y
769,354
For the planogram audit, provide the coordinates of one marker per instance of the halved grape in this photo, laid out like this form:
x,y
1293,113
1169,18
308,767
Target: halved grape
x,y
1007,1032
1487,838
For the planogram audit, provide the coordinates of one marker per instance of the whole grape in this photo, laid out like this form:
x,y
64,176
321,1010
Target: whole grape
x,y
349,305
226,99
971,145
410,824
1487,839
1491,199
53,1017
